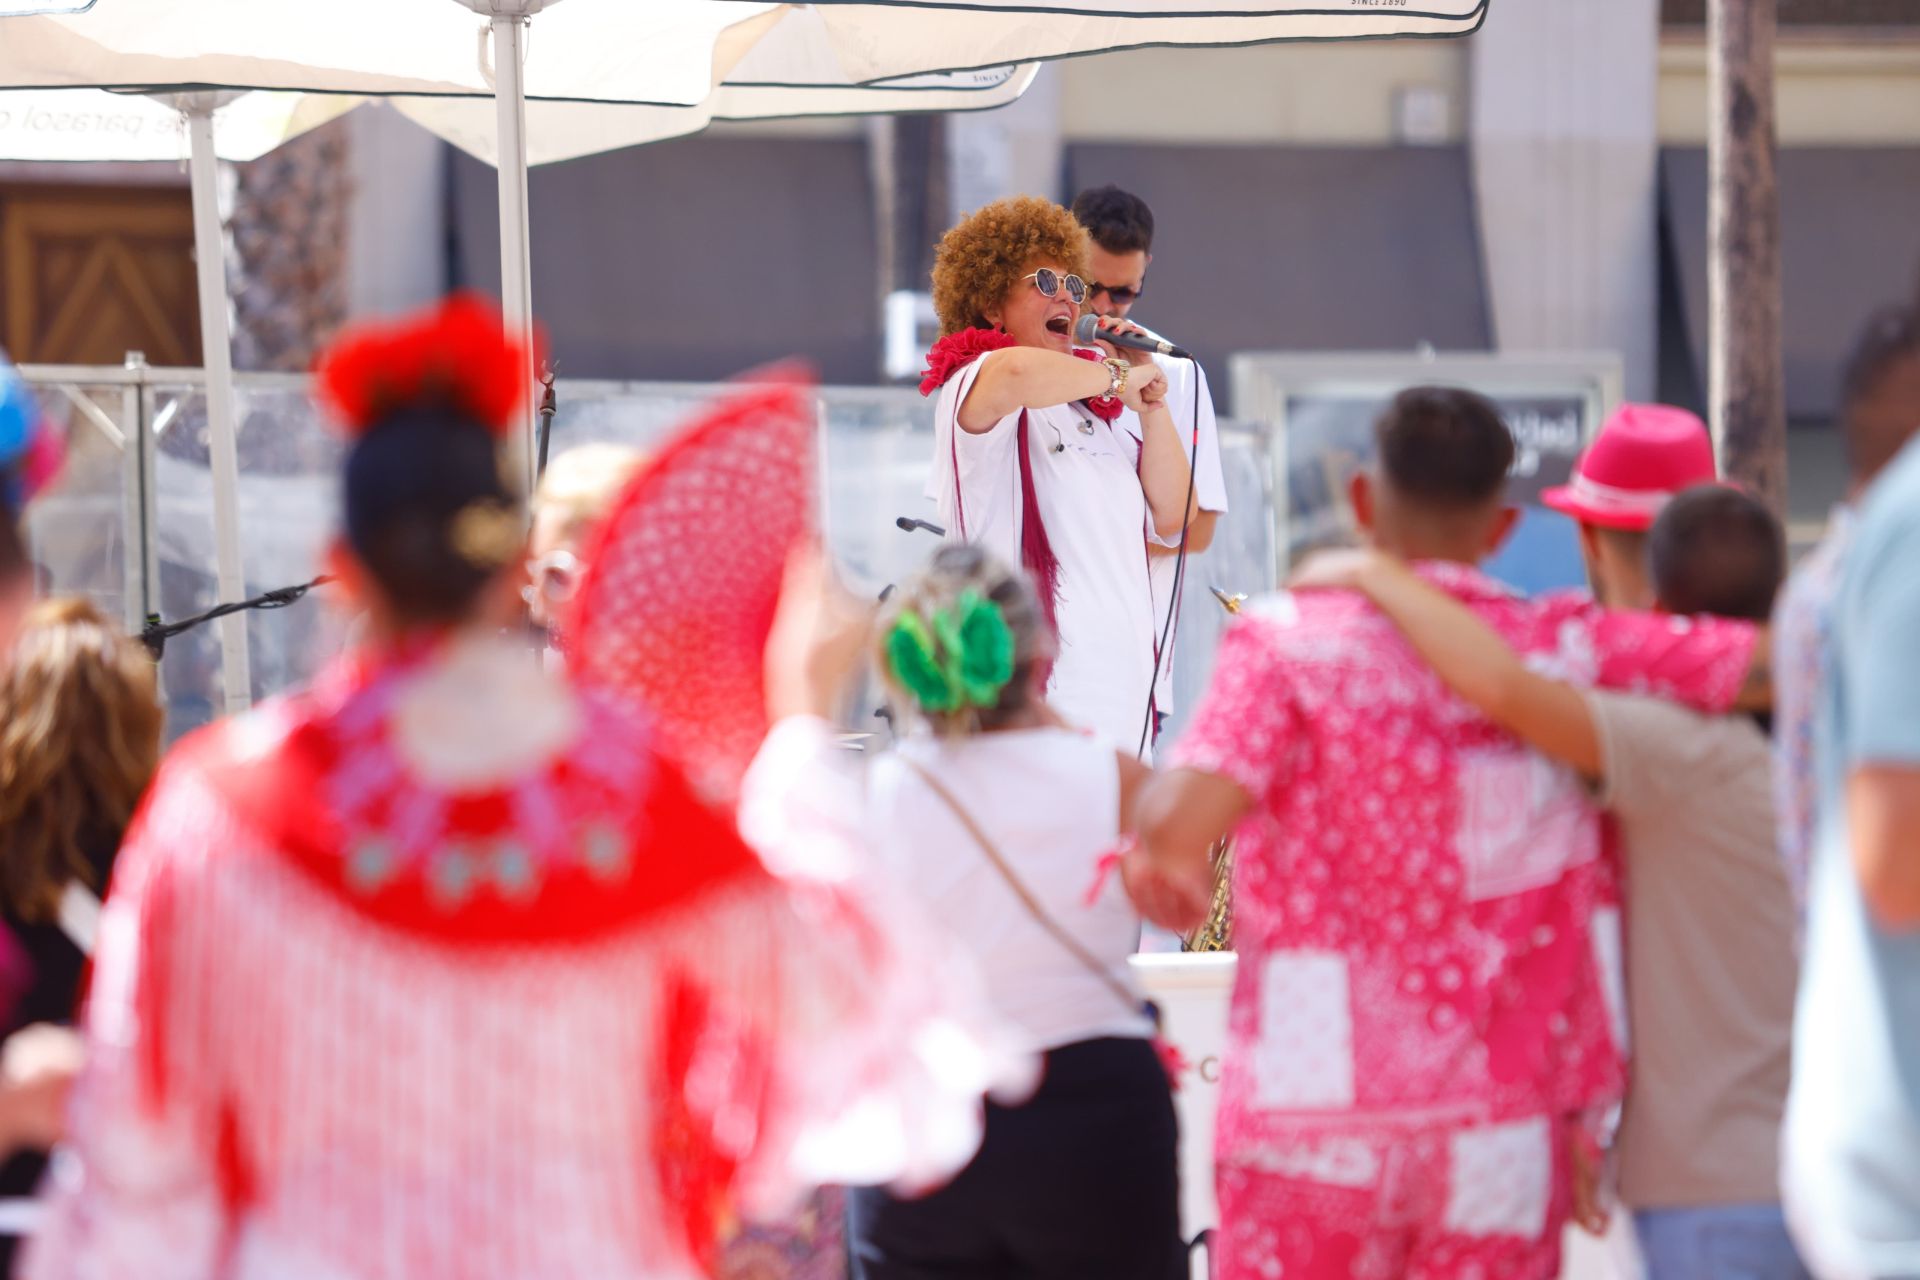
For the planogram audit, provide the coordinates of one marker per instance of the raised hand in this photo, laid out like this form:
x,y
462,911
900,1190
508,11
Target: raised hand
x,y
1146,387
1112,324
820,631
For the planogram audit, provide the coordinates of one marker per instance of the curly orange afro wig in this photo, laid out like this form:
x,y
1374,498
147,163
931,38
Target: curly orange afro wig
x,y
985,254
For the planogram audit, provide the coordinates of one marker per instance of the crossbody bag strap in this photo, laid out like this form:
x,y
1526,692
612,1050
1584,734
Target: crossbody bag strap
x,y
1020,890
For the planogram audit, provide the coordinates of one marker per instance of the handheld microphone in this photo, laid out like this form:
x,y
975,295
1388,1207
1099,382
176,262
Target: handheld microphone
x,y
1088,331
907,524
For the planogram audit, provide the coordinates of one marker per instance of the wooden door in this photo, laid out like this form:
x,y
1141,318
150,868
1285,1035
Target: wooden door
x,y
88,274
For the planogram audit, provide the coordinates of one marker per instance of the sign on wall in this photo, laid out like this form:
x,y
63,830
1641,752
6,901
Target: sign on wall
x,y
1321,410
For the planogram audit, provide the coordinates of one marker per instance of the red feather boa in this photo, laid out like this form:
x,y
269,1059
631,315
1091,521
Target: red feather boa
x,y
955,352
958,350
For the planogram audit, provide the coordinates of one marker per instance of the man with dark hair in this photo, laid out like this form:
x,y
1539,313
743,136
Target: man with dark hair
x,y
1714,549
1426,1017
1121,227
1710,959
1879,413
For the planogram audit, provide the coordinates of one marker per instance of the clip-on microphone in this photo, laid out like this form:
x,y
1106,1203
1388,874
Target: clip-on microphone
x,y
907,524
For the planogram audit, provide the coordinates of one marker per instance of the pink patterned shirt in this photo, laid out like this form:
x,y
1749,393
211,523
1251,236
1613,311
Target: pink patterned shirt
x,y
1426,911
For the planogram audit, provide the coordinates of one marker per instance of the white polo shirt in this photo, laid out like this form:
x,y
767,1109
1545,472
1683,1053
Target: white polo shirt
x,y
1087,484
1210,492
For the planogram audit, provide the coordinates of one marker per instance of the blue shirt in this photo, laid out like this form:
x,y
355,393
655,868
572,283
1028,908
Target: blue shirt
x,y
1852,1143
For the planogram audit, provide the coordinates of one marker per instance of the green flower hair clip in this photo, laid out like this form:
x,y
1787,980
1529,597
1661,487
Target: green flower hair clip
x,y
984,648
912,655
964,658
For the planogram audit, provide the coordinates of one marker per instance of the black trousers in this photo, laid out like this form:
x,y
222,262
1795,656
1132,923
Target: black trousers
x,y
1080,1183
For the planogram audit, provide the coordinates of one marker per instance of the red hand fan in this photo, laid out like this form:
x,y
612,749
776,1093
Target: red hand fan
x,y
684,575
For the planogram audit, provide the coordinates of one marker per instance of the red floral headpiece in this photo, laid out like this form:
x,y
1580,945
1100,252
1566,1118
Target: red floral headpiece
x,y
458,356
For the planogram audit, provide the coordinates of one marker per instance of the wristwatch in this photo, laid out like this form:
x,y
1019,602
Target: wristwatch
x,y
1117,369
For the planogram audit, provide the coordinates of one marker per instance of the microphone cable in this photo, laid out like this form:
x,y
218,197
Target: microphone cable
x,y
1179,567
156,633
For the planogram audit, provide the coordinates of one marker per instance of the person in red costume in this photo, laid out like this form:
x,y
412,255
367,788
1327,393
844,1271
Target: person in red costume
x,y
450,966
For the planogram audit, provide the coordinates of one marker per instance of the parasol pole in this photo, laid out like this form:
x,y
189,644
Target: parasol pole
x,y
508,21
216,344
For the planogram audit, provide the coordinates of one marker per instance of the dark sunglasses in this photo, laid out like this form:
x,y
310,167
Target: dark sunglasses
x,y
1048,282
1121,297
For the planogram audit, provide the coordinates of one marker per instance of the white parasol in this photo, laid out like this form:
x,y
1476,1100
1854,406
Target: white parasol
x,y
564,56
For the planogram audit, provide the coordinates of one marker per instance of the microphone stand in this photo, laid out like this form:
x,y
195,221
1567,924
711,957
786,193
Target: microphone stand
x,y
548,407
156,633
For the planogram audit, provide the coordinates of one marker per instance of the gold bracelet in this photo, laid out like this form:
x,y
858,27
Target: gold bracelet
x,y
1117,369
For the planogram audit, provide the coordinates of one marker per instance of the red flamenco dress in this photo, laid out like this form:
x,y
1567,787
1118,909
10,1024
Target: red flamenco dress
x,y
448,968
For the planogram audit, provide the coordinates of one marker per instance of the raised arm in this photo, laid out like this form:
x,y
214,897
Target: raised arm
x,y
1549,716
1028,378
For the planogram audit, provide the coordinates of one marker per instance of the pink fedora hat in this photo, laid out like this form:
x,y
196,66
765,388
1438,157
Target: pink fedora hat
x,y
1644,455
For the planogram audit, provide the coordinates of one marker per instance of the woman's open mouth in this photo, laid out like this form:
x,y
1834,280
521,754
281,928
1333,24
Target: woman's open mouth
x,y
1062,325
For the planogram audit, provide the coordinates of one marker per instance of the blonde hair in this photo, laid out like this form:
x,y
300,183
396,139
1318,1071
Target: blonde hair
x,y
982,258
955,570
582,483
80,724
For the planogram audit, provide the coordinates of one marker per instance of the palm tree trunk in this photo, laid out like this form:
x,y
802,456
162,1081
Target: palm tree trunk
x,y
288,269
1746,389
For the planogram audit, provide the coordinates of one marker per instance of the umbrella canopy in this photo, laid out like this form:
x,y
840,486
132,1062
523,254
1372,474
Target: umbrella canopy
x,y
903,36
96,125
671,54
101,125
661,51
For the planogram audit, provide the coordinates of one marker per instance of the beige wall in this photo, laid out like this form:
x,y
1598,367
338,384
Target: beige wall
x,y
1337,94
1835,92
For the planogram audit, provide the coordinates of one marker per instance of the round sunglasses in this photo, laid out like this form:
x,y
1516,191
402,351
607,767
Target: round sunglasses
x,y
1048,282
